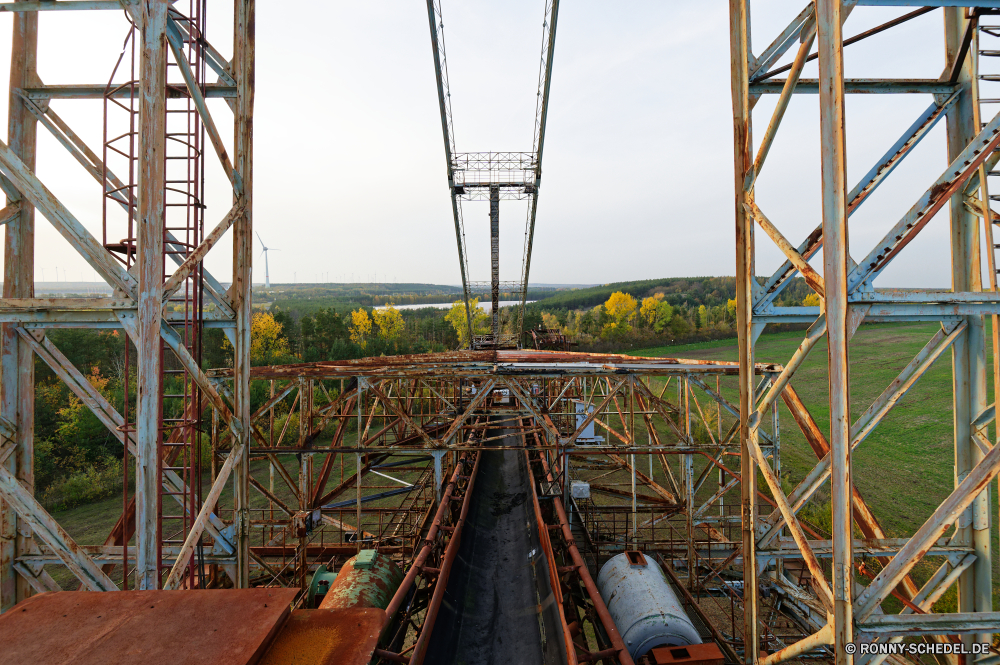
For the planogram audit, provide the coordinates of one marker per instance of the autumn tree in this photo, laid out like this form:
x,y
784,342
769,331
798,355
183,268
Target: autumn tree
x,y
621,307
390,323
456,317
268,343
655,312
360,327
811,300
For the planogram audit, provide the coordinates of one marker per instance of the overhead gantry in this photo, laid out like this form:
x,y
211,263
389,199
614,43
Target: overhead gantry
x,y
494,176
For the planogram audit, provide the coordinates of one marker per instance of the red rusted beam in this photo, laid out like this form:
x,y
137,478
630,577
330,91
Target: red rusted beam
x,y
588,582
441,584
318,551
550,559
404,588
455,363
863,516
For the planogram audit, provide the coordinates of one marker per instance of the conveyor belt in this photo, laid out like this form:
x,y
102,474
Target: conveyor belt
x,y
490,613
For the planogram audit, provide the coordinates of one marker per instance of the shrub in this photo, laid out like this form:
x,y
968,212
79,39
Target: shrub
x,y
88,485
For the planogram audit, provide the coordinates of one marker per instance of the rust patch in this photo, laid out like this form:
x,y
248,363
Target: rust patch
x,y
217,626
937,190
327,637
358,587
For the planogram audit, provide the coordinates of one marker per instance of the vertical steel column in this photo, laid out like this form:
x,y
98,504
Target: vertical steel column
x,y
969,349
152,184
835,244
304,481
687,481
17,380
775,440
444,105
739,41
362,384
495,258
242,293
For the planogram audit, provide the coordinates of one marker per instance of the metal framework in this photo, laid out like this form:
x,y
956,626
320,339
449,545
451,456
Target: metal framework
x,y
649,436
149,176
851,605
407,433
494,176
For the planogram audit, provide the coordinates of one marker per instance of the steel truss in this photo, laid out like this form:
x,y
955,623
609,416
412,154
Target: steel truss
x,y
157,197
494,176
650,435
848,606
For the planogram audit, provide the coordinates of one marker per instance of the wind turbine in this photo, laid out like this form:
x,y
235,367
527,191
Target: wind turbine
x,y
267,275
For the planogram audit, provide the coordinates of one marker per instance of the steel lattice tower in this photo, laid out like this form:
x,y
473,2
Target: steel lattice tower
x,y
151,253
852,605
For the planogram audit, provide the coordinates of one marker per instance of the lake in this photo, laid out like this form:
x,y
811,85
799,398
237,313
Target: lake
x,y
447,305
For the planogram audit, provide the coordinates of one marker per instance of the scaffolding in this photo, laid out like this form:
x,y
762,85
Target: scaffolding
x,y
849,598
150,175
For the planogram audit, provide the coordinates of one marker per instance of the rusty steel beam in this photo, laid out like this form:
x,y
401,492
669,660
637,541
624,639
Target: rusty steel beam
x,y
54,536
863,516
396,604
740,54
444,571
152,182
244,62
17,390
580,568
553,570
829,24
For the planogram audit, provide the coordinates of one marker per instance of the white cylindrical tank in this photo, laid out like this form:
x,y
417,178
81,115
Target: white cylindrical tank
x,y
643,606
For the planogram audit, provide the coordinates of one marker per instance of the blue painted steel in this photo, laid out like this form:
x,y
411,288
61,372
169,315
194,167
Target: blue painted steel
x,y
365,499
868,184
783,42
868,269
861,86
912,136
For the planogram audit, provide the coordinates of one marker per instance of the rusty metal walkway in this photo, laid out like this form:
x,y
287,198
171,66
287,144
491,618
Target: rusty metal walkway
x,y
499,607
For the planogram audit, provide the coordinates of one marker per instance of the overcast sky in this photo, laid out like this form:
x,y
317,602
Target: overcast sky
x,y
350,177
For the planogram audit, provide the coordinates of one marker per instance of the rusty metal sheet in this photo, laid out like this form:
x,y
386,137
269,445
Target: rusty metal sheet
x,y
327,637
217,627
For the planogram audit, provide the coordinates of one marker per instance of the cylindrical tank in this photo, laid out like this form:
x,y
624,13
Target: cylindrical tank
x,y
367,580
643,606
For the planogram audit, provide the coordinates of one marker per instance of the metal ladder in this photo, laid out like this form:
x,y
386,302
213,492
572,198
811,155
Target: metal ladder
x,y
181,406
986,45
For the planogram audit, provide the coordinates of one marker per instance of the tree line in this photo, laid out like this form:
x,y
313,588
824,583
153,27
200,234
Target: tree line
x,y
78,459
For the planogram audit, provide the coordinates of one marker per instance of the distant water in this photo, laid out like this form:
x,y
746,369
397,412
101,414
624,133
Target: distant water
x,y
488,306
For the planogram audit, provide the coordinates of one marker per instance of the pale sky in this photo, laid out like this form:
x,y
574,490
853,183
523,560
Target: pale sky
x,y
638,180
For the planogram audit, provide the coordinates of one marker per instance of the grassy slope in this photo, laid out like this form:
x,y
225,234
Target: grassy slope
x,y
906,467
